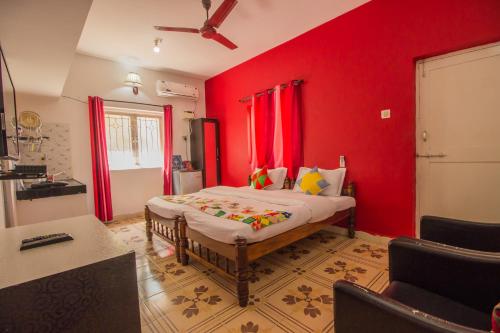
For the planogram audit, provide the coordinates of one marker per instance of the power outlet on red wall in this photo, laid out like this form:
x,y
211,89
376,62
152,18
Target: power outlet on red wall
x,y
385,114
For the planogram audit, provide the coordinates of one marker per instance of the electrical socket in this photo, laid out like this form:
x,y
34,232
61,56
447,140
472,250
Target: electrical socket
x,y
385,114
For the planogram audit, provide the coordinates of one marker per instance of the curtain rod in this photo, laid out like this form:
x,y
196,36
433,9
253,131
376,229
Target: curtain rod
x,y
282,86
116,101
112,100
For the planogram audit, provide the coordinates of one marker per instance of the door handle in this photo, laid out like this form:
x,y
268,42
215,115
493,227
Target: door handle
x,y
424,136
440,155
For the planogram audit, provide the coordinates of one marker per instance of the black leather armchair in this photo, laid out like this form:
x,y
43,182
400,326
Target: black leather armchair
x,y
433,288
466,234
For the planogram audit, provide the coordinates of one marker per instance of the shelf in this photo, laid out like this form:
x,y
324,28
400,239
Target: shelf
x,y
30,138
12,176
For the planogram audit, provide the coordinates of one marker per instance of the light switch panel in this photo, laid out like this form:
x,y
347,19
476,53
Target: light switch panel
x,y
385,114
342,161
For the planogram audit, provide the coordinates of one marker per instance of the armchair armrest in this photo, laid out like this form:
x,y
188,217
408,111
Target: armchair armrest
x,y
466,276
360,310
470,235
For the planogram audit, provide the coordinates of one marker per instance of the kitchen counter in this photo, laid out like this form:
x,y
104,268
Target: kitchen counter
x,y
27,193
88,284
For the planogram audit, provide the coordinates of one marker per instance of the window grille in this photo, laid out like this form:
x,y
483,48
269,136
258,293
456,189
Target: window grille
x,y
134,140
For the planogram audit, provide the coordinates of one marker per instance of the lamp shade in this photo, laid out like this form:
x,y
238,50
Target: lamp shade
x,y
133,79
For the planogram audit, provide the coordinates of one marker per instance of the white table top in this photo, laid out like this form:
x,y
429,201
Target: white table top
x,y
92,243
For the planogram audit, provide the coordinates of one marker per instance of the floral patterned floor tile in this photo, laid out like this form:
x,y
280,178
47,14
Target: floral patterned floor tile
x,y
158,326
380,282
263,274
192,306
155,285
146,316
290,289
324,239
141,260
171,270
342,268
161,254
304,302
367,251
146,271
249,321
295,255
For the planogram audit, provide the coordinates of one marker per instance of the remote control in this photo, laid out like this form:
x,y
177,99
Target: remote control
x,y
38,241
29,240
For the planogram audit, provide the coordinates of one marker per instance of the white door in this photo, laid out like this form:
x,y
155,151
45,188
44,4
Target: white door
x,y
458,135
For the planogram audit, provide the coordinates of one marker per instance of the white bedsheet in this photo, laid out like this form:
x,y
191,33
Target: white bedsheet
x,y
322,206
304,209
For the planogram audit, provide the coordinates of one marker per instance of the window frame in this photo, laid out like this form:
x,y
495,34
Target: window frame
x,y
134,136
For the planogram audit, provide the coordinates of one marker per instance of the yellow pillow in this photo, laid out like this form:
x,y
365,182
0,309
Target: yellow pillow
x,y
312,182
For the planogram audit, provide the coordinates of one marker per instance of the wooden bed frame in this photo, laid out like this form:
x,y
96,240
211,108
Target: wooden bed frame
x,y
168,229
219,256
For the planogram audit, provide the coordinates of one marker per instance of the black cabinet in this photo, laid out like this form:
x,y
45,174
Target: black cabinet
x,y
205,151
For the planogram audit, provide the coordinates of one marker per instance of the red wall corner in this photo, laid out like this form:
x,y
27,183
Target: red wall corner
x,y
353,67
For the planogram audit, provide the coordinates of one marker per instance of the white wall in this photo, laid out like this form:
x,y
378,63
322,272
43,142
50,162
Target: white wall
x,y
91,76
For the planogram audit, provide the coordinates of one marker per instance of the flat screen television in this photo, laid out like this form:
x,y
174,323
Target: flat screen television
x,y
9,145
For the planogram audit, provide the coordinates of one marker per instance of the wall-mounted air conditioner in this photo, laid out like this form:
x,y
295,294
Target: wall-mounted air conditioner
x,y
173,89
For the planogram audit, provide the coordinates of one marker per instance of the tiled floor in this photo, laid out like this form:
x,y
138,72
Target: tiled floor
x,y
290,290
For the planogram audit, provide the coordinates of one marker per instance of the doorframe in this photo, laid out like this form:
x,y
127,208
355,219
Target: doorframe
x,y
420,73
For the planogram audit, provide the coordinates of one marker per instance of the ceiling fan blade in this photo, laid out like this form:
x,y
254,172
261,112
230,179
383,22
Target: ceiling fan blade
x,y
195,31
224,41
221,13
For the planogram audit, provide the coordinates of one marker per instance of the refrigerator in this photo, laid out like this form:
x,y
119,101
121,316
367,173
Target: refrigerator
x,y
186,182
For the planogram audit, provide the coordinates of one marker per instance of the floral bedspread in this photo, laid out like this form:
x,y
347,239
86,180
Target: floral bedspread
x,y
257,218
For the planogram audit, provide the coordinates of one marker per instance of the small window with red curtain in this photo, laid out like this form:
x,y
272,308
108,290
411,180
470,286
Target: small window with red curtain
x,y
134,138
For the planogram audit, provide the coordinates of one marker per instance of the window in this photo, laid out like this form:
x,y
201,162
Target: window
x,y
134,139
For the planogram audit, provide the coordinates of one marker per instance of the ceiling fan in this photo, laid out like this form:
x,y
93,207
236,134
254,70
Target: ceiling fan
x,y
208,30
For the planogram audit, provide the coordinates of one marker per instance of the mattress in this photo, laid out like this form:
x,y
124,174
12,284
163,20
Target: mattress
x,y
304,209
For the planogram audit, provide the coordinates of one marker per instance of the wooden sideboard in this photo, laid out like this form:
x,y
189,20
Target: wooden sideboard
x,y
88,284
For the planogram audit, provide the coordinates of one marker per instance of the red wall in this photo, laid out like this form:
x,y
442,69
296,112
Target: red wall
x,y
353,67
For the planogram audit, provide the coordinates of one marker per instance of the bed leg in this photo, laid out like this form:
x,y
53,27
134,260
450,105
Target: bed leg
x,y
242,271
177,241
183,242
352,223
149,224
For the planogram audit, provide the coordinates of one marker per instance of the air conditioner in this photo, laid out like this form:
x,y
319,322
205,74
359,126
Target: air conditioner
x,y
173,89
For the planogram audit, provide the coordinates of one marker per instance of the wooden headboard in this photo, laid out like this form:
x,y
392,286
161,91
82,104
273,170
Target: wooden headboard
x,y
349,190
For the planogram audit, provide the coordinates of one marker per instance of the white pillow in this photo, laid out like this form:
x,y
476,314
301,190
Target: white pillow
x,y
334,177
277,176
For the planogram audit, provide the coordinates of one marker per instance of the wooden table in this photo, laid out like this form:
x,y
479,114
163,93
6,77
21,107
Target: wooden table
x,y
88,284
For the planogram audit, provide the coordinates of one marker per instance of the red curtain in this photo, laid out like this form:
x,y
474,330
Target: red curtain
x,y
275,139
264,129
100,168
293,151
268,115
278,129
252,148
167,150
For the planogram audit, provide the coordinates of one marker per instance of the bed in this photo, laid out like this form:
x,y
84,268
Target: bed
x,y
229,246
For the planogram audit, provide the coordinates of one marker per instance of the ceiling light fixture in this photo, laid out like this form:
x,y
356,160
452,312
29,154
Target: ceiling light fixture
x,y
156,48
133,80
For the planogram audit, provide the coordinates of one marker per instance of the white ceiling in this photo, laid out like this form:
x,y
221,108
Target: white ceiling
x,y
122,30
39,39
